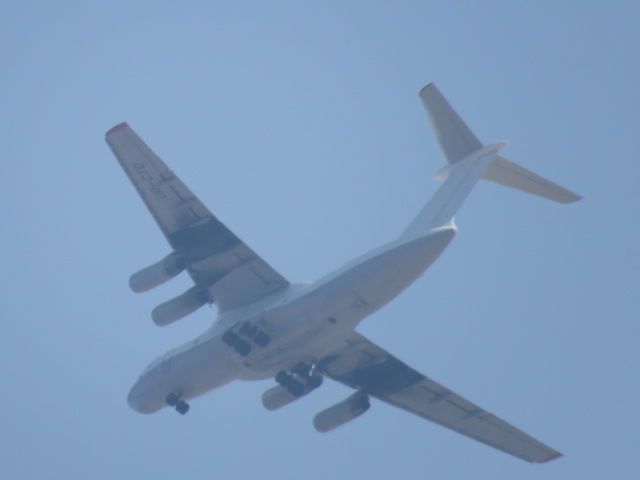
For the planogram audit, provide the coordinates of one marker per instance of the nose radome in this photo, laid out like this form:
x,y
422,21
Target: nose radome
x,y
133,399
138,401
143,398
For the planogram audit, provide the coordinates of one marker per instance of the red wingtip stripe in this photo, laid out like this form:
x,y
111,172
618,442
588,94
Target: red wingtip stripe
x,y
119,126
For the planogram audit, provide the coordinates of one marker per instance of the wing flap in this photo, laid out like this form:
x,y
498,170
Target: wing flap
x,y
362,365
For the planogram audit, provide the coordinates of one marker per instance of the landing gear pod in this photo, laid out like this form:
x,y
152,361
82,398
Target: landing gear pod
x,y
178,307
158,273
341,413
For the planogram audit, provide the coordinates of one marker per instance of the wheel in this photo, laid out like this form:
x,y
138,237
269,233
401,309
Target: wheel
x,y
301,369
295,388
252,332
262,339
172,399
229,338
282,378
182,407
243,348
315,381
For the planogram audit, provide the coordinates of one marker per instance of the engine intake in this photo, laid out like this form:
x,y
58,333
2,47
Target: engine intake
x,y
342,412
158,273
178,307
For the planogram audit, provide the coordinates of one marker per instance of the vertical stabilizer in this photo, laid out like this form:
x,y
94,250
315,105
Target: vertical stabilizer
x,y
461,178
467,162
455,138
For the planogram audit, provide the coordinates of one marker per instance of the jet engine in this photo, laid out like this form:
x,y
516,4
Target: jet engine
x,y
180,306
342,412
285,393
278,397
158,273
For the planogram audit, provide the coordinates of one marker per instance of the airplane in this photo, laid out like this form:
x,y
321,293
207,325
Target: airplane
x,y
300,333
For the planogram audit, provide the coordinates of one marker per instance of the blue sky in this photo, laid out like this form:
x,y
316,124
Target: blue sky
x,y
299,125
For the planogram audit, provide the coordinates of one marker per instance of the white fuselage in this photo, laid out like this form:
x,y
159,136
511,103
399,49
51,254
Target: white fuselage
x,y
302,321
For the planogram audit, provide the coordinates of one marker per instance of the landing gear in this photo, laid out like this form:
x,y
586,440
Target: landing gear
x,y
174,401
182,407
302,369
300,380
254,334
315,381
294,387
248,330
282,377
242,347
240,340
262,339
229,337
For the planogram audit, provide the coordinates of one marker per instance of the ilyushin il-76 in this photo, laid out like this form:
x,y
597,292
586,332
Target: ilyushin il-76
x,y
299,334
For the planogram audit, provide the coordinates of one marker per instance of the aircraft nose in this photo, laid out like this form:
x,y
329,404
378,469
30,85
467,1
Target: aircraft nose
x,y
134,397
139,398
145,395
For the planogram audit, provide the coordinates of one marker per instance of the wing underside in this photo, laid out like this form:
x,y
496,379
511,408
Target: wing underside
x,y
220,264
362,365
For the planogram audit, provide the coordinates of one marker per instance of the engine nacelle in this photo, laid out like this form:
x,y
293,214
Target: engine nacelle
x,y
283,394
278,397
342,412
178,307
158,273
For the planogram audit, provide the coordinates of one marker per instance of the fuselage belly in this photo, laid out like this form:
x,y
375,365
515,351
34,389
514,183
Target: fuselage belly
x,y
300,322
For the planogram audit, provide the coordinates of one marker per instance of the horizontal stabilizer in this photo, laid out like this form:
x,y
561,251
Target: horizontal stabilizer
x,y
510,174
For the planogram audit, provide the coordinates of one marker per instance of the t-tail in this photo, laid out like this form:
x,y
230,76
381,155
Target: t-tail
x,y
468,160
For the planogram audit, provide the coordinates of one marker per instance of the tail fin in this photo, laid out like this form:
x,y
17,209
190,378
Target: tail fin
x,y
457,141
468,161
461,178
455,138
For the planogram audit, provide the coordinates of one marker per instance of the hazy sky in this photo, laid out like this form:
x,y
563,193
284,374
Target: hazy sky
x,y
298,124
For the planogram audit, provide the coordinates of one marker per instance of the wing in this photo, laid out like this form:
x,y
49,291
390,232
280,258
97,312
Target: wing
x,y
217,260
362,365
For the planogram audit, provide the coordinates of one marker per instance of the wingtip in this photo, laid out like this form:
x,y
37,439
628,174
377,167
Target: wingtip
x,y
426,88
551,457
569,197
117,127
